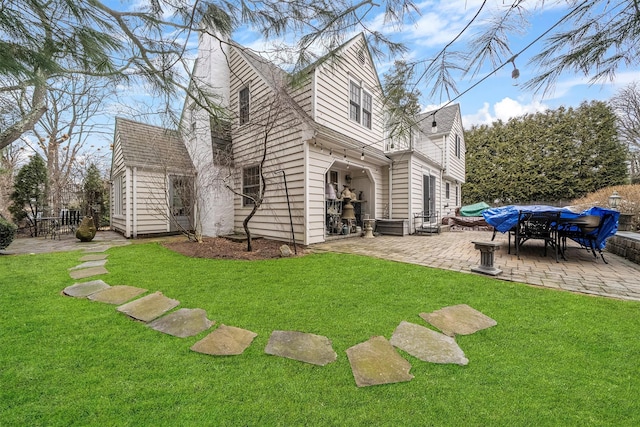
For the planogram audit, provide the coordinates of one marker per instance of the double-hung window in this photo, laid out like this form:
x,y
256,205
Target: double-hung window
x,y
243,105
360,105
250,184
457,146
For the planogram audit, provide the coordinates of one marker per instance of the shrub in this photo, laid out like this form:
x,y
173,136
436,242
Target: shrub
x,y
7,232
629,202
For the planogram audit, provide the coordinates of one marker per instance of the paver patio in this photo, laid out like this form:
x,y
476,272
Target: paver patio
x,y
454,250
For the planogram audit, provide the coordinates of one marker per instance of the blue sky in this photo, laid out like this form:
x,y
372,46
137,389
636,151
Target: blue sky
x,y
499,96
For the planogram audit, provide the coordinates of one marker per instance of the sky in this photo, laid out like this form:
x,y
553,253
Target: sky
x,y
498,96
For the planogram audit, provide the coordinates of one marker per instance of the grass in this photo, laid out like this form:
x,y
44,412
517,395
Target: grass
x,y
554,358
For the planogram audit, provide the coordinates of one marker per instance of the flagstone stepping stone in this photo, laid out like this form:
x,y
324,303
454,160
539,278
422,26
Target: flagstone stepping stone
x,y
301,346
97,248
458,319
89,264
376,362
427,345
117,294
83,290
87,272
183,323
93,257
225,341
149,307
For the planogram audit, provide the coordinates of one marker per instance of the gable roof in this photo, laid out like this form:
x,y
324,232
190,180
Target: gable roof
x,y
152,146
445,118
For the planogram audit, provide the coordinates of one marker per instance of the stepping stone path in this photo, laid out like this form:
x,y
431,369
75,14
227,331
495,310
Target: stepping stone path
x,y
225,341
90,264
458,319
85,289
183,323
309,348
427,345
149,307
87,272
93,257
117,294
373,362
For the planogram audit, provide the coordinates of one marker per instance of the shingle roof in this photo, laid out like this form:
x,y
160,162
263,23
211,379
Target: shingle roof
x,y
152,146
445,118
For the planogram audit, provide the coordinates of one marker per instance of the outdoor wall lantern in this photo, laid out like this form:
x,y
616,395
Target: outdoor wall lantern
x,y
614,200
434,125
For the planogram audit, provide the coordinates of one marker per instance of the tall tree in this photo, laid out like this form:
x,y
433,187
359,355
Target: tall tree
x,y
42,40
94,194
402,101
556,155
30,193
626,104
62,133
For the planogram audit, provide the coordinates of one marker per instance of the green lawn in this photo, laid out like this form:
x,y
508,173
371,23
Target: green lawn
x,y
554,358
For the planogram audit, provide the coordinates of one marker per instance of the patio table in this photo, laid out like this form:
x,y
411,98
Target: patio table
x,y
507,219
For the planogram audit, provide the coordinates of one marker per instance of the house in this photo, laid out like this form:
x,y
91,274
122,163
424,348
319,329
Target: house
x,y
151,179
307,144
427,173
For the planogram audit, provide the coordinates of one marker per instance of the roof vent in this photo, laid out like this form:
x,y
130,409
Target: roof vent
x,y
361,56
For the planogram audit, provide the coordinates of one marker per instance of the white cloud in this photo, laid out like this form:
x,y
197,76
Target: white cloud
x,y
504,110
508,108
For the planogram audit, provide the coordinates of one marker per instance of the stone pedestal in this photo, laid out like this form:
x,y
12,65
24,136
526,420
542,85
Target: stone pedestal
x,y
487,250
368,228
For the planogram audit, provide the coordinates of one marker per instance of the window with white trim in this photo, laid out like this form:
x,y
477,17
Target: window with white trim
x,y
447,192
457,145
360,105
243,105
250,184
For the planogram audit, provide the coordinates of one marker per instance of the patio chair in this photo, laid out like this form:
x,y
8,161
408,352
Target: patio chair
x,y
585,230
537,226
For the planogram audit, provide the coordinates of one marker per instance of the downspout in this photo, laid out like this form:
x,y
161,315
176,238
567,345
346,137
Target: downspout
x,y
410,195
135,202
286,191
127,196
390,190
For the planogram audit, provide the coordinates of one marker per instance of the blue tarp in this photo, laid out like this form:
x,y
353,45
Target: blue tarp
x,y
505,218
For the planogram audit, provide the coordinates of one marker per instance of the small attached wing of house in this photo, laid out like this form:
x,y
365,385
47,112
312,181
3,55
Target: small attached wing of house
x,y
148,164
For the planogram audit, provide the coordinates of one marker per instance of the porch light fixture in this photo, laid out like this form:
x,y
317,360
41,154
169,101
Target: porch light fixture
x,y
614,200
345,154
331,151
434,125
362,154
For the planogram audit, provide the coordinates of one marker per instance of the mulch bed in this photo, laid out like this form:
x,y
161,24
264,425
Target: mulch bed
x,y
223,248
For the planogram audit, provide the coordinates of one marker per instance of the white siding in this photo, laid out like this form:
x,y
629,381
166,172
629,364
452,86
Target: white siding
x,y
332,94
284,152
117,170
455,167
400,190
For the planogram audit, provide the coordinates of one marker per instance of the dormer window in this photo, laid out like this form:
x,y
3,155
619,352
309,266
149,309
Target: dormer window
x,y
360,103
243,105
